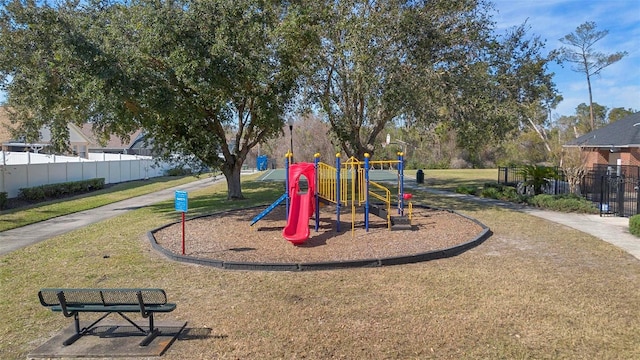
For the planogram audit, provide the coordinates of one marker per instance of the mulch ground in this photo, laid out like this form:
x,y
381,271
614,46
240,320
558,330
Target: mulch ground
x,y
228,236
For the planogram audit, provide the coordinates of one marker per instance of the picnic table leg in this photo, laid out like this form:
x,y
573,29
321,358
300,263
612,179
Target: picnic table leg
x,y
153,332
149,338
77,335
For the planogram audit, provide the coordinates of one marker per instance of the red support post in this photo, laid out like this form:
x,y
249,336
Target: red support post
x,y
183,232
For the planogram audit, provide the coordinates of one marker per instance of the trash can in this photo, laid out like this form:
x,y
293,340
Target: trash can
x,y
420,176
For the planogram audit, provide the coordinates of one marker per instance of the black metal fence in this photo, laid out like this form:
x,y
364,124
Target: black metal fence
x,y
616,193
614,189
512,176
628,171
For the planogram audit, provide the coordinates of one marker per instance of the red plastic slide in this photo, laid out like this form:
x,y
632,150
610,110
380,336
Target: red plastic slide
x,y
301,205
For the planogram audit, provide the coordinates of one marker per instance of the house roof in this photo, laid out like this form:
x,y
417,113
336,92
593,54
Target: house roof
x,y
77,134
622,133
114,141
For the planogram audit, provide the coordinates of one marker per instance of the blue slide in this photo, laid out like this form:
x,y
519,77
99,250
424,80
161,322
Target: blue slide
x,y
268,210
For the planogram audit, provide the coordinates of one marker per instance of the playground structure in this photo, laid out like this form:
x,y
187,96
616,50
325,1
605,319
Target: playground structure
x,y
345,184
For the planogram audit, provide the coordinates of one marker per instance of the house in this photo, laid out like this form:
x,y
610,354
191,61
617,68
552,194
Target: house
x,y
135,145
78,142
82,141
617,144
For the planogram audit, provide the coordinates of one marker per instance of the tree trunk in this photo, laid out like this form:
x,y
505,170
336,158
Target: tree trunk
x,y
541,134
593,127
574,178
233,174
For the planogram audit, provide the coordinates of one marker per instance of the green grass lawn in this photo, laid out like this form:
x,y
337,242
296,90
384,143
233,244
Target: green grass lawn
x,y
450,179
22,216
533,290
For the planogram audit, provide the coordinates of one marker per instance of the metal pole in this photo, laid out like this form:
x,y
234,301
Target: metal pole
x,y
338,192
366,192
291,141
183,221
401,184
316,160
286,182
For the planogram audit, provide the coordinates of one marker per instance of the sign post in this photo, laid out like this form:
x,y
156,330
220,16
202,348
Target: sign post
x,y
181,204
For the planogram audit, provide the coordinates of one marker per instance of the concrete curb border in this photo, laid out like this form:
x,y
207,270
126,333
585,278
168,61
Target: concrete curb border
x,y
329,265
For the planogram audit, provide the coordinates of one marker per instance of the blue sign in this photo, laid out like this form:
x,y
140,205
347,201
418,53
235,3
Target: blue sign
x,y
181,201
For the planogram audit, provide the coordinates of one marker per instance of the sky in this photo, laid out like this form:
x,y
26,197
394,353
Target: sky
x,y
618,85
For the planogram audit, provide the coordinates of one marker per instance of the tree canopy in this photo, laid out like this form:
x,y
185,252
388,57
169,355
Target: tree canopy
x,y
418,63
204,79
209,80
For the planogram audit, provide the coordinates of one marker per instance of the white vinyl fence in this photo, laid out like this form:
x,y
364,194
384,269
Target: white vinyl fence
x,y
21,170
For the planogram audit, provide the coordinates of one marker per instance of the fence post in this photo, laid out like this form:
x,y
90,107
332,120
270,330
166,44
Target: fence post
x,y
620,195
602,192
4,167
637,189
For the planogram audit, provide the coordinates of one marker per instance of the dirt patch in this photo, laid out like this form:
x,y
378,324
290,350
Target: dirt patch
x,y
228,236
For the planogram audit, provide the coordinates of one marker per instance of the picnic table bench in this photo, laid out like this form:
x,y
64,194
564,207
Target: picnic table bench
x,y
71,302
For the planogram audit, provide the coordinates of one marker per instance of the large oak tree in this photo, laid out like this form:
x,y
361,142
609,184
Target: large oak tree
x,y
207,80
419,63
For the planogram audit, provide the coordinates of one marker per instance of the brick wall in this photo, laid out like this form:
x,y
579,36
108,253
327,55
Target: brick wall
x,y
630,156
595,156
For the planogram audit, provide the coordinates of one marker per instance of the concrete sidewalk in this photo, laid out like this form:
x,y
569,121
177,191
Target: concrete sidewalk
x,y
14,239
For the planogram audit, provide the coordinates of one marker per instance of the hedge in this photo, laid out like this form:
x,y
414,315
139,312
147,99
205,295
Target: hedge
x,y
634,225
53,191
3,200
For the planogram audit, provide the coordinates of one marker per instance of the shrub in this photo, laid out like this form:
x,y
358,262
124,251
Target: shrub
x,y
178,171
52,191
538,176
543,200
33,193
564,203
95,184
502,192
493,185
3,199
634,225
490,192
510,193
466,190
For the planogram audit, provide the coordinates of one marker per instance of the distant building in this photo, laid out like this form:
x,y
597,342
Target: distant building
x,y
615,144
135,145
82,141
